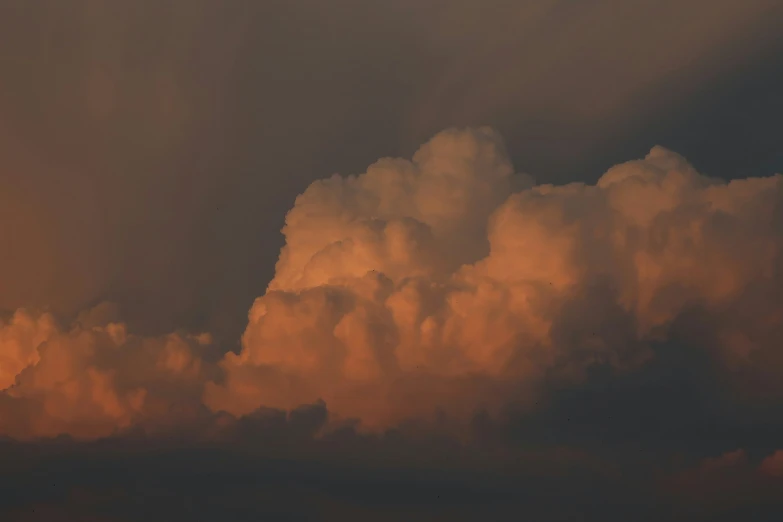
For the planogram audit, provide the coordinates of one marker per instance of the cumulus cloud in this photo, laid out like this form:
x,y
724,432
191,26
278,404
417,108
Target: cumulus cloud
x,y
449,281
20,337
94,380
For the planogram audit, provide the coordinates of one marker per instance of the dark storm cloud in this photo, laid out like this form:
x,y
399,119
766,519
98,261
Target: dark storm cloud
x,y
275,465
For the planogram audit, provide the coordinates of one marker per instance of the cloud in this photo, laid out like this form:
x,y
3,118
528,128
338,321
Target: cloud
x,y
773,465
451,283
19,340
725,487
345,475
91,381
441,287
518,348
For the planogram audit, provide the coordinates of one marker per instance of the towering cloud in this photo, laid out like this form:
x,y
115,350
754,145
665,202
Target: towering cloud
x,y
449,282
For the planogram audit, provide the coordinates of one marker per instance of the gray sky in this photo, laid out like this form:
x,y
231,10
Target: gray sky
x,y
161,143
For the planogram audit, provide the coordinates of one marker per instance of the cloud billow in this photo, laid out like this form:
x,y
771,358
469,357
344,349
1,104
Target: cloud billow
x,y
447,284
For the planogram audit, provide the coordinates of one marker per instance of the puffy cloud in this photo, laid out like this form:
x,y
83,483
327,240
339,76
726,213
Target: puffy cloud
x,y
94,380
20,337
401,218
449,282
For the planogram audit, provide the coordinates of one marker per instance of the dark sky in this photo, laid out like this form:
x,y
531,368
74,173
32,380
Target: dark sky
x,y
149,152
166,140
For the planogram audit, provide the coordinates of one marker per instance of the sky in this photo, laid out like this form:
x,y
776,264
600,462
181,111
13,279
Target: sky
x,y
421,260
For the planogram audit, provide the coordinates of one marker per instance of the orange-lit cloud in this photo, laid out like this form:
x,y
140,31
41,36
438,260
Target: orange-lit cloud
x,y
20,338
447,281
91,381
720,484
772,465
